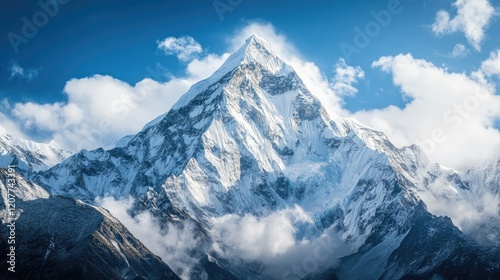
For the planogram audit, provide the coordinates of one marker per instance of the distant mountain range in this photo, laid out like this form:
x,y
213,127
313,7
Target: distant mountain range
x,y
29,155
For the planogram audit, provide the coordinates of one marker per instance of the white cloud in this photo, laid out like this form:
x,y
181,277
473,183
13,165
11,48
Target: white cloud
x,y
11,127
468,213
491,66
472,18
100,110
459,51
174,244
345,77
257,237
199,69
20,73
450,115
271,240
274,241
185,48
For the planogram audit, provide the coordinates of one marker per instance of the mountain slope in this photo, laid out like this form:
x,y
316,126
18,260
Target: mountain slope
x,y
60,238
430,248
229,125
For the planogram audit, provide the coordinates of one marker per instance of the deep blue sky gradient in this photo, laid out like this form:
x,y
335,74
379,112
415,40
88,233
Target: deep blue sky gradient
x,y
119,38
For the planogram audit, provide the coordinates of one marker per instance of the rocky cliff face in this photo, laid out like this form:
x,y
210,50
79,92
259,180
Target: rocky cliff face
x,y
61,238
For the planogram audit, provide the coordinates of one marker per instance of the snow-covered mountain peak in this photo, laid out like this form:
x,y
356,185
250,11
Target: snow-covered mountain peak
x,y
257,39
257,50
254,52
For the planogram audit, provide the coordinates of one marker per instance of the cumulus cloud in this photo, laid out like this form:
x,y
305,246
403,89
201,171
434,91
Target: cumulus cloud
x,y
491,66
199,69
20,73
472,18
185,48
274,241
271,240
450,115
459,51
345,78
257,237
174,244
101,109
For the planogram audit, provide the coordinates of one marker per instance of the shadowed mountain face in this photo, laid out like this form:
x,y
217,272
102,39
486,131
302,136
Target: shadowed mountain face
x,y
430,248
253,141
60,238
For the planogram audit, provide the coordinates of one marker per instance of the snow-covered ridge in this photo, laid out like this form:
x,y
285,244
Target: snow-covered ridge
x,y
31,155
255,50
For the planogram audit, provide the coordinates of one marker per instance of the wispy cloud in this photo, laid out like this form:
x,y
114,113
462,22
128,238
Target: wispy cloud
x,y
472,18
345,78
459,51
185,48
271,240
175,244
491,66
20,73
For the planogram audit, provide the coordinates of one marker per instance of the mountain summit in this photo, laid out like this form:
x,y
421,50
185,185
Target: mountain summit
x,y
253,140
255,51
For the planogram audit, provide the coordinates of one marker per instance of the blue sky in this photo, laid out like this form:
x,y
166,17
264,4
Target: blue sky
x,y
119,39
